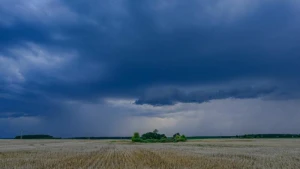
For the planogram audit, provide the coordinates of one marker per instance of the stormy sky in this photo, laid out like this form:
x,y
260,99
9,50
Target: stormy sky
x,y
113,67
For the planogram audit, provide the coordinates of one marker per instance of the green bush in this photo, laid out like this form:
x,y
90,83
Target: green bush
x,y
166,140
174,135
182,137
151,141
136,140
179,138
136,137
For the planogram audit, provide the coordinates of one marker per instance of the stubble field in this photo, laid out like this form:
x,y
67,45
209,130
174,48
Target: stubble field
x,y
206,154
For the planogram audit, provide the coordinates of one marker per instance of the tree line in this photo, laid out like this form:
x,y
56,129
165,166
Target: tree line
x,y
269,136
155,137
38,136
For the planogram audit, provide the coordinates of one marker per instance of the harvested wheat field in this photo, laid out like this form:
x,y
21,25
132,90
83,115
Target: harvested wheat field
x,y
206,154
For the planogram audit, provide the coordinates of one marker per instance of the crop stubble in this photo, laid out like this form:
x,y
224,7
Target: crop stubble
x,y
206,154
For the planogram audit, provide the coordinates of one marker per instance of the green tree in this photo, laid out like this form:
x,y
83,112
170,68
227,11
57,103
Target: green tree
x,y
136,137
183,138
153,135
177,138
174,136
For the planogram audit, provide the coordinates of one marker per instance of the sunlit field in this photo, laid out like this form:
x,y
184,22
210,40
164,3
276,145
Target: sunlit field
x,y
210,154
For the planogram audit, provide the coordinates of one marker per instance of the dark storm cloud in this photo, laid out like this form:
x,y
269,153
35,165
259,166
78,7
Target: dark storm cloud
x,y
29,105
173,96
125,47
187,53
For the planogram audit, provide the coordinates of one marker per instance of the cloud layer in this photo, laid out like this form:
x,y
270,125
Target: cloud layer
x,y
172,96
158,52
